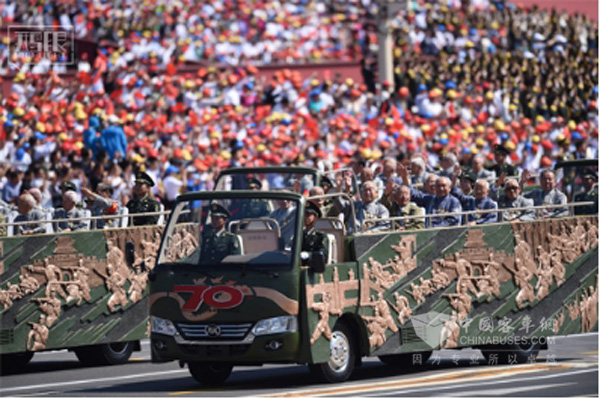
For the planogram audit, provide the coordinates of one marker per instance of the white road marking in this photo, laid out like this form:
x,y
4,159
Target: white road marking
x,y
504,391
480,383
91,381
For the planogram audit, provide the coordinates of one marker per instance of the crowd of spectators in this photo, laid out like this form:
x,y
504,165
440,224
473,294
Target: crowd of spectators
x,y
468,77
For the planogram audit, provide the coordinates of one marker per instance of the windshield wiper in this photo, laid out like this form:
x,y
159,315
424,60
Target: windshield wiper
x,y
244,265
193,266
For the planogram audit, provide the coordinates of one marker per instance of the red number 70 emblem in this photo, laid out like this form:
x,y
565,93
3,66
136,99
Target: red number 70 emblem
x,y
217,296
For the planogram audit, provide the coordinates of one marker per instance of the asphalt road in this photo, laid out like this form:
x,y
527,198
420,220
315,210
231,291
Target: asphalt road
x,y
568,368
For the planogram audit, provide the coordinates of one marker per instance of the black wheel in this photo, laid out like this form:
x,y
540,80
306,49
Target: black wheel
x,y
406,359
510,354
342,356
15,362
210,373
105,354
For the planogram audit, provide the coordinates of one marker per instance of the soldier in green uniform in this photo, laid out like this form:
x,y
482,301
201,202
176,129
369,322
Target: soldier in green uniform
x,y
217,243
313,240
501,153
589,195
141,201
253,208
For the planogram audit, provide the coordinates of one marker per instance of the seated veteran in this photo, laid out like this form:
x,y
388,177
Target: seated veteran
x,y
367,208
475,199
217,242
402,206
512,199
102,203
69,210
548,194
28,213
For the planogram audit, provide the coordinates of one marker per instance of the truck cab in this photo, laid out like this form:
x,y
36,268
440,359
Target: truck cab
x,y
226,288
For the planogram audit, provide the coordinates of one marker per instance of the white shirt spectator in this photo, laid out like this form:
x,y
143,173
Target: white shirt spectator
x,y
171,185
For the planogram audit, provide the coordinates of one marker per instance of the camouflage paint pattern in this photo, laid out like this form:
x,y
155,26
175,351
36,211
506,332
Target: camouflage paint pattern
x,y
73,289
450,288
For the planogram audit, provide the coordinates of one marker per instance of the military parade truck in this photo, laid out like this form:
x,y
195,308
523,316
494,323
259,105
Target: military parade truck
x,y
251,296
84,291
395,294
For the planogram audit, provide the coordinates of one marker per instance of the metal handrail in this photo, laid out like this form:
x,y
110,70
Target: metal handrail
x,y
103,217
571,206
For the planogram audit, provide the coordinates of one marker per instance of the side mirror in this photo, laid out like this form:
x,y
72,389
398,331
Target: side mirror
x,y
317,262
129,253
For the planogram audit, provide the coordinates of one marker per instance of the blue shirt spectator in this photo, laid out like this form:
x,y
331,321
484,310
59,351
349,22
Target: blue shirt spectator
x,y
113,138
479,201
440,204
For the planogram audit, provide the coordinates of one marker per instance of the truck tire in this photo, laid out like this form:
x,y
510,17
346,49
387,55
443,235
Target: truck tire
x,y
14,362
405,359
510,354
212,374
105,354
342,356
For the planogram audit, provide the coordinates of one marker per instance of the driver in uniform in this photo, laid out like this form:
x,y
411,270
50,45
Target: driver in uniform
x,y
312,239
217,243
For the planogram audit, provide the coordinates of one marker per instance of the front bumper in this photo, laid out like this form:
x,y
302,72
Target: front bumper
x,y
274,348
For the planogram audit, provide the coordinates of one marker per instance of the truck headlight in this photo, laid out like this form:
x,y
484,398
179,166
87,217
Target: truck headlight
x,y
276,325
162,326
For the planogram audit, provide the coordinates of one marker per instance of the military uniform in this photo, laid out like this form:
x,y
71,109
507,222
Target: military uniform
x,y
552,197
143,205
519,202
216,246
507,168
312,239
591,195
410,209
74,213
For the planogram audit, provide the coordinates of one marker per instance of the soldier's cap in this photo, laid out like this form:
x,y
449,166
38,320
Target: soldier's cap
x,y
326,181
68,186
468,175
590,174
105,187
253,182
313,208
142,177
501,149
220,211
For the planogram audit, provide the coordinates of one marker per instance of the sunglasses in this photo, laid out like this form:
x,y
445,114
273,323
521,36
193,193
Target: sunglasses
x,y
512,188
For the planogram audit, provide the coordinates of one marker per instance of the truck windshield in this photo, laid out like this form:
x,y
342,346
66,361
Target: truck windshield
x,y
231,231
280,180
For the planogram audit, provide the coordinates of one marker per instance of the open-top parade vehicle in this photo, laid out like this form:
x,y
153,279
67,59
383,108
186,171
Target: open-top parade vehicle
x,y
395,294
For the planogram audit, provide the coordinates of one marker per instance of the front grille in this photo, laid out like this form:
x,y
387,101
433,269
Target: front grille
x,y
216,350
214,331
7,336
